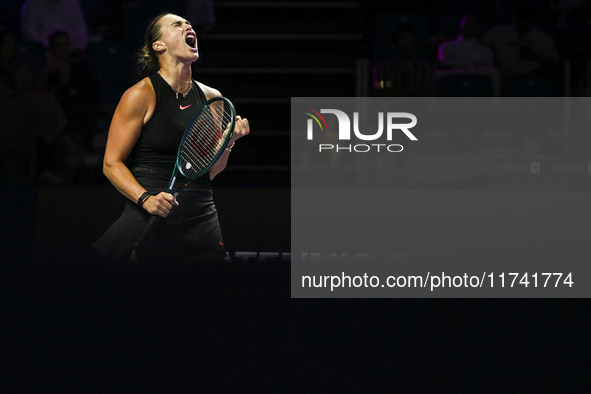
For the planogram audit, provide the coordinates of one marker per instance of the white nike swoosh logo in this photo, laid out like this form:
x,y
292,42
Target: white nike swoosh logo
x,y
181,107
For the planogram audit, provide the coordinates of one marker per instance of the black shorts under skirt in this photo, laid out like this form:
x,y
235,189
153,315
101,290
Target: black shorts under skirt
x,y
189,231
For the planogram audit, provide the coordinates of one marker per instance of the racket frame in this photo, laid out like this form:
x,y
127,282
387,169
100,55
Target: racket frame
x,y
177,165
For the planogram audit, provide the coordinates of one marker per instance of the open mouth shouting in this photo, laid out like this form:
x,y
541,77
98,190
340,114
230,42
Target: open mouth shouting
x,y
191,41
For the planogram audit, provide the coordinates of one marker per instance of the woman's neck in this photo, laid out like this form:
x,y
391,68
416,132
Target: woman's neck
x,y
180,71
178,78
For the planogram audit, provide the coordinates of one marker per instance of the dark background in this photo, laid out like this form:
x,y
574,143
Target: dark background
x,y
71,321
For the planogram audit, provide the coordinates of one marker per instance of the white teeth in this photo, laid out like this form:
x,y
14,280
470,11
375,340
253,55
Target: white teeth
x,y
190,40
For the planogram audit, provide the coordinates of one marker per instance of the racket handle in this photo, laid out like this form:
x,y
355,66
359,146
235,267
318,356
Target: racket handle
x,y
180,189
155,218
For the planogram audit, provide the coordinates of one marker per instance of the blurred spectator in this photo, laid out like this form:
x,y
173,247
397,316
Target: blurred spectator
x,y
15,77
28,119
467,50
521,49
71,83
406,75
39,18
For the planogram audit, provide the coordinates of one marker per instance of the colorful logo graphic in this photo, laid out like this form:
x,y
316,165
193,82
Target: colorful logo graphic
x,y
316,119
348,130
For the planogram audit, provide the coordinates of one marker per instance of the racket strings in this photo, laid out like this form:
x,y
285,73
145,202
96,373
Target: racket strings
x,y
205,139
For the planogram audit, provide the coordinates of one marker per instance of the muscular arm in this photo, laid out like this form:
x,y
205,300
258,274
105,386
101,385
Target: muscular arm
x,y
134,109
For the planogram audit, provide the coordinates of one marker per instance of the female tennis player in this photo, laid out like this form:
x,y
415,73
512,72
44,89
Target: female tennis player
x,y
143,141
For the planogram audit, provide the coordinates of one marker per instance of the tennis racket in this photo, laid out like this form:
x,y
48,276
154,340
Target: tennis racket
x,y
203,142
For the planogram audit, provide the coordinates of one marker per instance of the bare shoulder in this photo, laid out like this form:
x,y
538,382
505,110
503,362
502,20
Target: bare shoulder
x,y
209,92
141,93
140,99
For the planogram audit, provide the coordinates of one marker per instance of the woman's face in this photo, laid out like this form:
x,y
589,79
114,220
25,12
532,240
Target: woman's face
x,y
177,38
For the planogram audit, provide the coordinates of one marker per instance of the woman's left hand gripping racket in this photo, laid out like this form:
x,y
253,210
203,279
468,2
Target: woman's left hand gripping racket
x,y
204,141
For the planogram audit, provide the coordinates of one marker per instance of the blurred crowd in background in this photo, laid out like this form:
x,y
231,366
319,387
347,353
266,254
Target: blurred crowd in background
x,y
534,48
65,63
63,67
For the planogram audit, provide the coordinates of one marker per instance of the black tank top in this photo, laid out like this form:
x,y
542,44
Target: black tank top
x,y
156,149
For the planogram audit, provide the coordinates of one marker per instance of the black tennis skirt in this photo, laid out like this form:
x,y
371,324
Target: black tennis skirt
x,y
191,229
